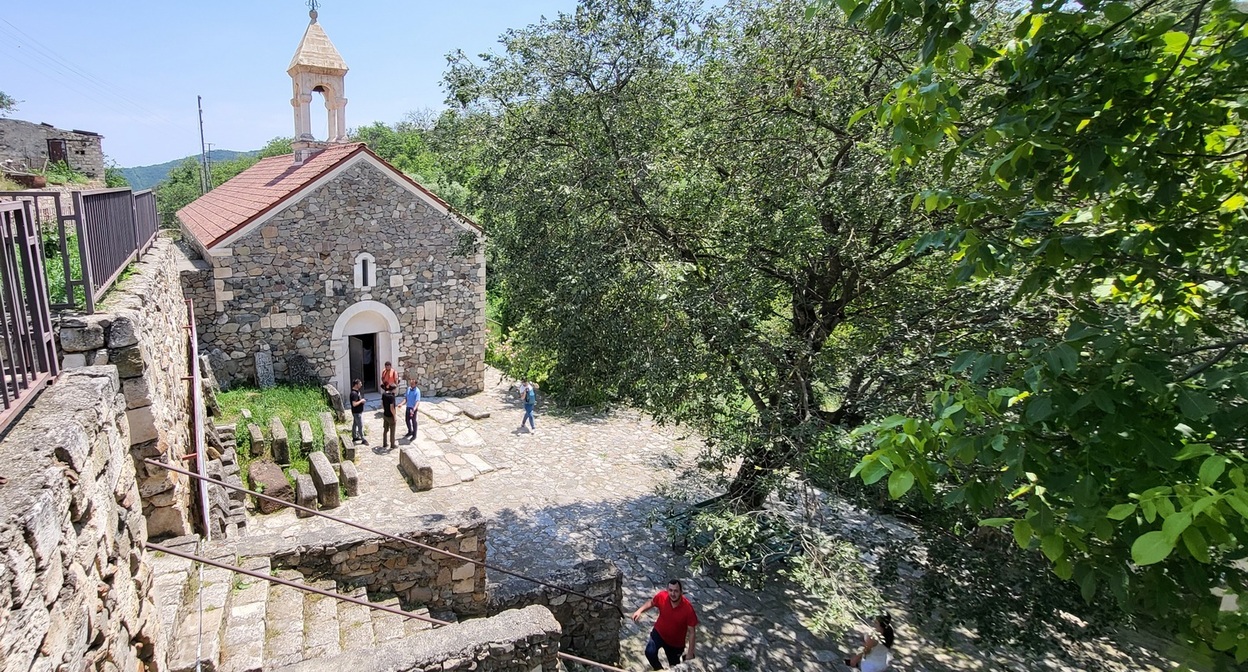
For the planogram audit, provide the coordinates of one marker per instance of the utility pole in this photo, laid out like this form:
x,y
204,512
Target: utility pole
x,y
209,155
205,179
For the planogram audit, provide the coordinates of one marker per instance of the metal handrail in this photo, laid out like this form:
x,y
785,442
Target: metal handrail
x,y
343,598
387,535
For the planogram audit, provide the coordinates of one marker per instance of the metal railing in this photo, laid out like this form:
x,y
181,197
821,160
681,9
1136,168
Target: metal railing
x,y
386,535
110,228
27,352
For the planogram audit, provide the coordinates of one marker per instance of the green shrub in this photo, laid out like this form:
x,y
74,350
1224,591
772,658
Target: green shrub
x,y
61,173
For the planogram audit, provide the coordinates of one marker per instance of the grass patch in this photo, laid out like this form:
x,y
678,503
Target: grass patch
x,y
288,402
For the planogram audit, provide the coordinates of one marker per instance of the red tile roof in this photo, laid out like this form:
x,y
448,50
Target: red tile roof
x,y
214,216
230,207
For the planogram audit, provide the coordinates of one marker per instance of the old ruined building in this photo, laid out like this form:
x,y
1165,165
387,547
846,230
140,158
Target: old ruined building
x,y
330,261
325,255
27,147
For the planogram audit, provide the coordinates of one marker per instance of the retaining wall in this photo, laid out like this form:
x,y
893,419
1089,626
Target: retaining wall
x,y
74,580
590,629
521,640
384,567
140,328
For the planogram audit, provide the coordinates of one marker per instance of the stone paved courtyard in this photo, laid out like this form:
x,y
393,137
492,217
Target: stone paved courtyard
x,y
586,485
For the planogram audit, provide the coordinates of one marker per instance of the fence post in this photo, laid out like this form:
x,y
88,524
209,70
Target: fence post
x,y
84,253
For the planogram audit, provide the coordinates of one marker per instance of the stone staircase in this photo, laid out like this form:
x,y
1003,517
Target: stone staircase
x,y
249,624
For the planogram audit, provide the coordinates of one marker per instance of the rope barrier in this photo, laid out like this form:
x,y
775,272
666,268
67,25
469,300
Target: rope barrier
x,y
337,596
412,542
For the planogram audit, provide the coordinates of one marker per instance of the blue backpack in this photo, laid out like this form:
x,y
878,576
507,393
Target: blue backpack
x,y
530,397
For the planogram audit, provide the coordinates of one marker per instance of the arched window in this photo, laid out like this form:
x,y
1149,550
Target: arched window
x,y
365,271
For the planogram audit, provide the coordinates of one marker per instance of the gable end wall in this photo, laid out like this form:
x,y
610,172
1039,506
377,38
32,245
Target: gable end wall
x,y
284,285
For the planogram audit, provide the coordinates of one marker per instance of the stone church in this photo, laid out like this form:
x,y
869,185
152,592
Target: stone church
x,y
329,262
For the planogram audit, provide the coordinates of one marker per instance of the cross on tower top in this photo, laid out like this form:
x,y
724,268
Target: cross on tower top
x,y
312,5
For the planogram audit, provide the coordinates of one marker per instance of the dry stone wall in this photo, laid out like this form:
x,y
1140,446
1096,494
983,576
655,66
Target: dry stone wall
x,y
74,579
521,640
284,286
590,629
384,567
141,329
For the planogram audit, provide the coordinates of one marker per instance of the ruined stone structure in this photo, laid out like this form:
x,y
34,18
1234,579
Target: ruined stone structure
x,y
332,260
34,146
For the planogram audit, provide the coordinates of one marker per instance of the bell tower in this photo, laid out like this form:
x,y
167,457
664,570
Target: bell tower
x,y
317,68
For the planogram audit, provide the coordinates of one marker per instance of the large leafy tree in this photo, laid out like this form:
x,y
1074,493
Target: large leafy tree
x,y
1109,144
681,215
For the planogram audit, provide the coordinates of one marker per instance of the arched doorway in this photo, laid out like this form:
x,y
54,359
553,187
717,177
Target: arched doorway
x,y
365,336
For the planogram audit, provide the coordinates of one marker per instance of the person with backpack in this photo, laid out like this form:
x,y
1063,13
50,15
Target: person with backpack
x,y
877,651
529,396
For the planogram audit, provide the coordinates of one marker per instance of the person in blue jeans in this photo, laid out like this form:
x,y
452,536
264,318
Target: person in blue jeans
x,y
413,402
530,400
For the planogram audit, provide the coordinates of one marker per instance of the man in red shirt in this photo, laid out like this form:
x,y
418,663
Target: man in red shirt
x,y
673,630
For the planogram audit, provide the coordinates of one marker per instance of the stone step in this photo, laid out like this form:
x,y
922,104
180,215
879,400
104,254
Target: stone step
x,y
171,578
242,647
389,627
320,623
283,623
478,463
197,641
355,623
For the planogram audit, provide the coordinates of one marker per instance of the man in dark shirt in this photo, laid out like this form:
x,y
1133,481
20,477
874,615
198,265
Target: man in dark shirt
x,y
388,417
357,412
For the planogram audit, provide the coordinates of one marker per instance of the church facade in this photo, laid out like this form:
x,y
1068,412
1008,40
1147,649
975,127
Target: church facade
x,y
330,262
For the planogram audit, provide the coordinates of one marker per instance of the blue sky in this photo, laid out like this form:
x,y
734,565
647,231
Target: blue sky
x,y
131,69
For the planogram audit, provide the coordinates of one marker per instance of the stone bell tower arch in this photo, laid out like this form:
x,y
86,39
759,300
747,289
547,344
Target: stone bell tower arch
x,y
318,68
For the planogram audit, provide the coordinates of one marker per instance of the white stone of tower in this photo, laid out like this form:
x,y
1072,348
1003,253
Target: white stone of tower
x,y
318,67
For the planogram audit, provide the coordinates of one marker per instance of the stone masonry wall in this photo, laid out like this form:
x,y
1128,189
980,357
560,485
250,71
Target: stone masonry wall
x,y
385,567
283,286
74,579
520,640
140,328
590,629
26,144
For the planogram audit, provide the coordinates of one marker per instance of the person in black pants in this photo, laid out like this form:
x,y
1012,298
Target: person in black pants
x,y
357,412
388,417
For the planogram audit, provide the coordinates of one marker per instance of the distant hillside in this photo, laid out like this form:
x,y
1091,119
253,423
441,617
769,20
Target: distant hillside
x,y
145,177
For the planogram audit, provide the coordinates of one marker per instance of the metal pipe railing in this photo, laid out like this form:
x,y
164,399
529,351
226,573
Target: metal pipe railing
x,y
337,596
387,535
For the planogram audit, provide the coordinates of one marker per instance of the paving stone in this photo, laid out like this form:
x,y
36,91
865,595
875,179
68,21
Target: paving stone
x,y
444,475
355,623
478,463
466,475
434,433
472,409
468,438
326,481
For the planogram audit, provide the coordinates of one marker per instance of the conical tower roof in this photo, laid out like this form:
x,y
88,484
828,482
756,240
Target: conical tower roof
x,y
316,53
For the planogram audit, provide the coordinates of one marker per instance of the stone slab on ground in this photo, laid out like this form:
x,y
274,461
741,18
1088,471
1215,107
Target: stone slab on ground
x,y
472,410
329,436
267,478
326,481
465,474
477,463
305,494
350,477
259,445
468,438
444,475
279,446
436,414
416,467
433,433
305,436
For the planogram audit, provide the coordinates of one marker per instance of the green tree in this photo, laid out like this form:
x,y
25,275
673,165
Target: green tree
x,y
8,104
1108,144
680,215
182,185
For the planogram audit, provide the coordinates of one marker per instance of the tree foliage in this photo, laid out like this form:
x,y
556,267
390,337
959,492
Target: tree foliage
x,y
681,215
1107,141
182,185
8,104
406,146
